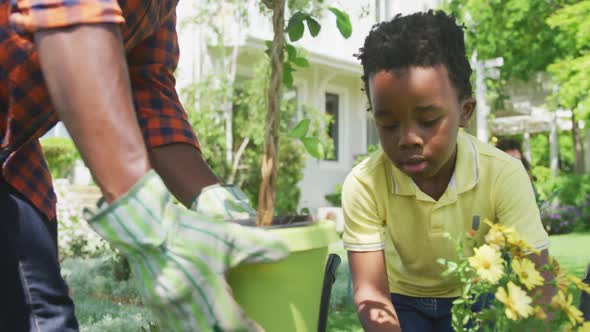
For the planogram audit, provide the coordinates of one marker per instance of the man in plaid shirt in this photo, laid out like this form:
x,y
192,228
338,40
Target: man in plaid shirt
x,y
105,68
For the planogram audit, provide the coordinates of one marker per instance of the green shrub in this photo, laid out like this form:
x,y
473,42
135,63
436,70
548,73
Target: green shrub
x,y
335,197
61,156
568,189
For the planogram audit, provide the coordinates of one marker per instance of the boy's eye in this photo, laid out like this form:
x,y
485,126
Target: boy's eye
x,y
429,123
389,126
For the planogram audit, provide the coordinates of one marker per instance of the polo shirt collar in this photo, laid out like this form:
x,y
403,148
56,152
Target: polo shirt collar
x,y
464,178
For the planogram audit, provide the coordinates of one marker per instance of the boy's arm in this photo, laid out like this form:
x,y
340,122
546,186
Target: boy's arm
x,y
371,292
547,291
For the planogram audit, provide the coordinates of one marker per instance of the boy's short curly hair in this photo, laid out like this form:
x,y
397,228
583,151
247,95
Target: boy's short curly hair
x,y
421,39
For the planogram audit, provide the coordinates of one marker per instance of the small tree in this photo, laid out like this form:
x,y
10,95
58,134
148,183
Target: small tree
x,y
281,72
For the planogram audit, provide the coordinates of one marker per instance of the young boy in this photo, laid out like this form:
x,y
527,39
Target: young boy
x,y
429,180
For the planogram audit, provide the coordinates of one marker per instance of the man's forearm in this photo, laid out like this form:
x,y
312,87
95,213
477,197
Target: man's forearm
x,y
183,169
86,73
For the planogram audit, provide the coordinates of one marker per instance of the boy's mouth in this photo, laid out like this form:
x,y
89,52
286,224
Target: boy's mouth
x,y
414,165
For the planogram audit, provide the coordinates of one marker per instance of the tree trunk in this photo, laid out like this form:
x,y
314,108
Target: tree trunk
x,y
266,197
578,147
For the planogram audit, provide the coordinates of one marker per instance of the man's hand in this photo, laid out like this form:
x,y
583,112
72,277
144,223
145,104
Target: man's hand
x,y
224,202
180,257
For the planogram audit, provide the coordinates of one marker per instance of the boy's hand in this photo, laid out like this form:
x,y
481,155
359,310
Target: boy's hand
x,y
180,257
224,202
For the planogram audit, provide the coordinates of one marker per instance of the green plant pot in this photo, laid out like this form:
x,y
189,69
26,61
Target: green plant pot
x,y
285,296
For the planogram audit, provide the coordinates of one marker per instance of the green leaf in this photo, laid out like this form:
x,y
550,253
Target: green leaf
x,y
300,129
313,146
342,22
313,26
301,62
291,52
288,75
268,44
295,27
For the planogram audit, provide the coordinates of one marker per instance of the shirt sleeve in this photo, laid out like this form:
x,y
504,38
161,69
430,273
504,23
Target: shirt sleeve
x,y
516,206
151,68
364,230
32,15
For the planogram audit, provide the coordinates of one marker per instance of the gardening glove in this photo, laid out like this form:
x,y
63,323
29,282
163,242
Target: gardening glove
x,y
180,257
223,201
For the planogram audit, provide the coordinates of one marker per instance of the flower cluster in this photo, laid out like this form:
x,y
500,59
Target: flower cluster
x,y
559,219
500,277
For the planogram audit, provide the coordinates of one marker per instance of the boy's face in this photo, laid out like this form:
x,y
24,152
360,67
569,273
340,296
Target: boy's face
x,y
418,115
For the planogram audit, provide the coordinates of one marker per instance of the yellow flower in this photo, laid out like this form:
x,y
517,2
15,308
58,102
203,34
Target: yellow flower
x,y
527,274
560,301
584,327
518,304
579,283
539,313
562,280
495,238
519,247
487,263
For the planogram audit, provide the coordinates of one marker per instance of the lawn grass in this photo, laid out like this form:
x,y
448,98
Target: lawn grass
x,y
572,251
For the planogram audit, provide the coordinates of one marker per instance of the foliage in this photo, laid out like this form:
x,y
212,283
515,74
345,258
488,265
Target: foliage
x,y
75,237
572,69
540,151
307,15
515,30
104,303
570,189
61,155
335,197
501,267
249,102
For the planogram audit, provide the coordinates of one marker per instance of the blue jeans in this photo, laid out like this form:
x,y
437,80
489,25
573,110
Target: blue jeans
x,y
425,314
34,296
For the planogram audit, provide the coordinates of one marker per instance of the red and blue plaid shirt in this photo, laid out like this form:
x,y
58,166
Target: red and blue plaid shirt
x,y
148,28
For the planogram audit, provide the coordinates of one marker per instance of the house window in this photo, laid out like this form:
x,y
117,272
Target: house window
x,y
332,109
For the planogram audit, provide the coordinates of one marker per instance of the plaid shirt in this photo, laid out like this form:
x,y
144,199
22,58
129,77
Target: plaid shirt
x,y
26,112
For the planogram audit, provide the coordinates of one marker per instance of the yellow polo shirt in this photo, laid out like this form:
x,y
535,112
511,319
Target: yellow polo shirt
x,y
385,210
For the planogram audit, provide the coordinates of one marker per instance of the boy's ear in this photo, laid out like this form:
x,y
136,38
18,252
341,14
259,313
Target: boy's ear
x,y
467,109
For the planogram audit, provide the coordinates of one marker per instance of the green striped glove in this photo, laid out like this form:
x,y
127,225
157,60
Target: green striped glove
x,y
180,257
223,201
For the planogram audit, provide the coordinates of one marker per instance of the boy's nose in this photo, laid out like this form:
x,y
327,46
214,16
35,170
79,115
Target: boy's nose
x,y
409,138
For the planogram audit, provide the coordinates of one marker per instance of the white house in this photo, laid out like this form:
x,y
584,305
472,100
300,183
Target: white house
x,y
332,82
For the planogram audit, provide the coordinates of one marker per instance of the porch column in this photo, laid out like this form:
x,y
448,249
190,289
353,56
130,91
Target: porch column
x,y
553,147
527,146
